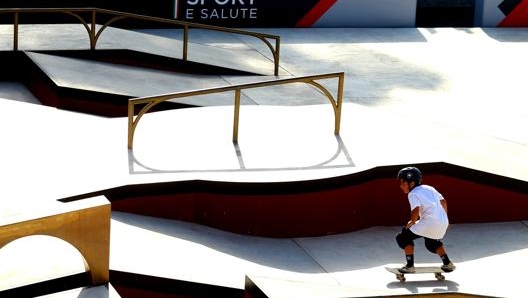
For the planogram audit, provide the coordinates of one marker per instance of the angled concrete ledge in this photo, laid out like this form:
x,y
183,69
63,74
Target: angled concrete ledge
x,y
85,224
265,287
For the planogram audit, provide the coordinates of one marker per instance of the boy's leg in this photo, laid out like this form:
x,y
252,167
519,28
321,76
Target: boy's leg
x,y
405,240
436,246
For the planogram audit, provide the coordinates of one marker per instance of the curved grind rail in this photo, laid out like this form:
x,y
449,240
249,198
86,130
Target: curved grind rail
x,y
90,24
151,101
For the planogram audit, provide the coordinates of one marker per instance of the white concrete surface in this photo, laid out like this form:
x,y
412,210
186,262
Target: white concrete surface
x,y
344,265
106,291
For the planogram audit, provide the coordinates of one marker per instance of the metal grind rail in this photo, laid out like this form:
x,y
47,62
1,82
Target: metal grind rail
x,y
90,24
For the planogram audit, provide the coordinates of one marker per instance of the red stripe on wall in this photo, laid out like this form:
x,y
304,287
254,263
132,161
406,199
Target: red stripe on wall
x,y
315,13
518,17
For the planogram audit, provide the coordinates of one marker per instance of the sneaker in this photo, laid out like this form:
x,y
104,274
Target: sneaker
x,y
406,269
448,267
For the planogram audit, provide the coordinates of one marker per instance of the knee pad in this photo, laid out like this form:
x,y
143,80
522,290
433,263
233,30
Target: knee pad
x,y
403,239
432,245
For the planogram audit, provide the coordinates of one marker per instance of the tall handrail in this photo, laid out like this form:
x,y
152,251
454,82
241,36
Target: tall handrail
x,y
94,34
150,101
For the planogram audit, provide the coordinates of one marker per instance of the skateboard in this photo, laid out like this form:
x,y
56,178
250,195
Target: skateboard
x,y
438,272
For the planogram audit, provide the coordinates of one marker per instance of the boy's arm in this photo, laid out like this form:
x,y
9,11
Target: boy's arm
x,y
444,205
415,214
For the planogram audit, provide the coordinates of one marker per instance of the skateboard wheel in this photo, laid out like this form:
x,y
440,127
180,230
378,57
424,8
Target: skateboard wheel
x,y
439,276
400,277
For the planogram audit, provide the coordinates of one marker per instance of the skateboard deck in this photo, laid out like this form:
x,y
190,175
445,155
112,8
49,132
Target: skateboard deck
x,y
437,271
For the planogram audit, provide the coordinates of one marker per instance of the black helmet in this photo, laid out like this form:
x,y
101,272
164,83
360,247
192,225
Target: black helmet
x,y
411,174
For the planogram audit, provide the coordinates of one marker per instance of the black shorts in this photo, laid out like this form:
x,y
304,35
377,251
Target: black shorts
x,y
406,237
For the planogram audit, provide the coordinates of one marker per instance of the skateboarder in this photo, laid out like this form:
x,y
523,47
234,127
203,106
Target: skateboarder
x,y
428,219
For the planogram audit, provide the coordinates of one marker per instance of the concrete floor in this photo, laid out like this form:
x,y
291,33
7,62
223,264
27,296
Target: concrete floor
x,y
454,95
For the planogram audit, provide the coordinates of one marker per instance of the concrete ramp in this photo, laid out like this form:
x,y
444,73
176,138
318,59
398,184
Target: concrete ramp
x,y
343,265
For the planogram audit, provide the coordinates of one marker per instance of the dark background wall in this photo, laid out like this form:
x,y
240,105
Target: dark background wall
x,y
445,13
292,13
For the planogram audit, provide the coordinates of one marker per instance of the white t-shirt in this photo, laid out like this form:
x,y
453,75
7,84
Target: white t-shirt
x,y
433,221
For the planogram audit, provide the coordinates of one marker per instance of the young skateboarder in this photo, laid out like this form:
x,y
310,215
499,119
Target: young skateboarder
x,y
428,219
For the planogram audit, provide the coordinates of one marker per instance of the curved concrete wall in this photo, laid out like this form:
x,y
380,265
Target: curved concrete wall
x,y
327,206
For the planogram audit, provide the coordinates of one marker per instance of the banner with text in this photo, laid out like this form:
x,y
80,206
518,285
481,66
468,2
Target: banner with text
x,y
298,13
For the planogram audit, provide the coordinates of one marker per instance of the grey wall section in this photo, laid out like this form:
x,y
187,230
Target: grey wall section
x,y
487,13
369,13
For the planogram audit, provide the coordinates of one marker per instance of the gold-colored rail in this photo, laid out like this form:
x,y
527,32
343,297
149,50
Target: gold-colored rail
x,y
150,101
94,34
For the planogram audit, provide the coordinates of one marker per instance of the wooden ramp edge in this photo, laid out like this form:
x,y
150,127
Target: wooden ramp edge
x,y
85,224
